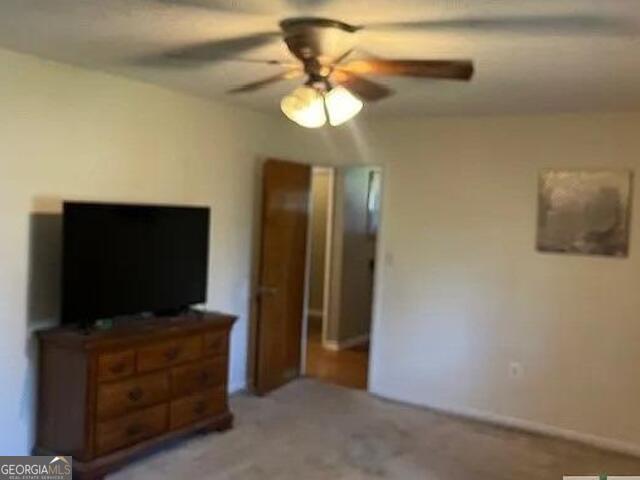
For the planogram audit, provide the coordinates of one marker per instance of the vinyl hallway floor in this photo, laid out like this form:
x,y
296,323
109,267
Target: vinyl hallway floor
x,y
348,367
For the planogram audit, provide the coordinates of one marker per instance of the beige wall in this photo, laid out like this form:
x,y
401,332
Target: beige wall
x,y
350,317
465,293
66,133
320,192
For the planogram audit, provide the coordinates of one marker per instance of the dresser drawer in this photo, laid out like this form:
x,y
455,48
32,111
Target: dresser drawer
x,y
215,343
132,428
122,397
194,377
188,410
165,354
113,365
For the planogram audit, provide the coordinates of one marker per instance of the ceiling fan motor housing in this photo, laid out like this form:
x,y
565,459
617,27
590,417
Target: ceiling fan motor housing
x,y
316,42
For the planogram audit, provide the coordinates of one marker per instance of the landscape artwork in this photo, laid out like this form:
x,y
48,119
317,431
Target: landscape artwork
x,y
584,212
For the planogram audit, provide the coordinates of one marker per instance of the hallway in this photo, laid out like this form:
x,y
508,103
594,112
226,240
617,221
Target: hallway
x,y
347,367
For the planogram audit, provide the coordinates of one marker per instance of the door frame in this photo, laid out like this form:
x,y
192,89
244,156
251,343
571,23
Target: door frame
x,y
328,260
380,262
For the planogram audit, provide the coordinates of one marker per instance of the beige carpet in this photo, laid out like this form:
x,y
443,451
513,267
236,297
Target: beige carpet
x,y
309,430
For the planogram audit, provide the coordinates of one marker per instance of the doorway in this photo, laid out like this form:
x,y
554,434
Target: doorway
x,y
315,277
345,208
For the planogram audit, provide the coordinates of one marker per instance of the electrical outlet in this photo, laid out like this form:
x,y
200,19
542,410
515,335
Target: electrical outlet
x,y
516,370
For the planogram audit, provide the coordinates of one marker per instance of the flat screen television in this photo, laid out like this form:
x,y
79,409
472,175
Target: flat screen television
x,y
129,259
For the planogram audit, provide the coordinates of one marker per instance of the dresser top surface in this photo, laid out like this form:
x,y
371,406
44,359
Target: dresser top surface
x,y
142,330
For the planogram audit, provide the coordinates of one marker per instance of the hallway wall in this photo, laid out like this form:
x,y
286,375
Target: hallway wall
x,y
354,252
319,218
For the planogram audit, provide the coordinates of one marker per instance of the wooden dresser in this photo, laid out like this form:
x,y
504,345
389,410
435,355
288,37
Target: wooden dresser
x,y
106,397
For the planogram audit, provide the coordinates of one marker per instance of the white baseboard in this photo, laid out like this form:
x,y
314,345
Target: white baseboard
x,y
530,426
347,343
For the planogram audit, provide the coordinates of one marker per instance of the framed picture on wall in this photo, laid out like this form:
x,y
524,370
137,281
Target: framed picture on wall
x,y
584,212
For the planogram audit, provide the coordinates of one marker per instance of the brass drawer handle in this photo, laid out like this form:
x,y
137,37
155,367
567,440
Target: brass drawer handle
x,y
172,353
134,430
136,394
118,368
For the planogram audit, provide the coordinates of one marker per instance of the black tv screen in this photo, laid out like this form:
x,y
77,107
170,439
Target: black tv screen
x,y
128,259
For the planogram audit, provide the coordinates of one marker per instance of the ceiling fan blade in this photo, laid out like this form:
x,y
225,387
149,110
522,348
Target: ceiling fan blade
x,y
161,61
442,69
251,7
365,89
558,24
221,49
211,5
342,57
250,87
280,63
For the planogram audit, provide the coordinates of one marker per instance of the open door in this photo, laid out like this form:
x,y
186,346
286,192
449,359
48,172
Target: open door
x,y
281,288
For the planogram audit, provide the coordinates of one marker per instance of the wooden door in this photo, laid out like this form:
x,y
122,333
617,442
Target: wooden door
x,y
281,289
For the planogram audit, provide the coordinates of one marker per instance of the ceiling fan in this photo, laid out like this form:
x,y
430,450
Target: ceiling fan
x,y
336,85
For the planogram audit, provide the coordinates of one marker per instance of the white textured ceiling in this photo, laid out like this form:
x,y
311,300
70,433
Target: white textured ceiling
x,y
592,65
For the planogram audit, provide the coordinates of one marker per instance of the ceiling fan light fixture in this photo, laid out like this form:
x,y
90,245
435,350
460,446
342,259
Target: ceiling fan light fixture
x,y
305,106
341,105
311,107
